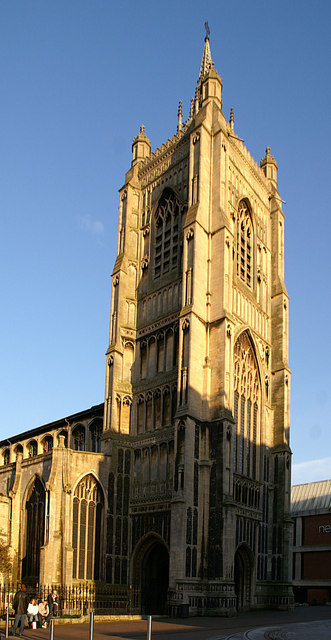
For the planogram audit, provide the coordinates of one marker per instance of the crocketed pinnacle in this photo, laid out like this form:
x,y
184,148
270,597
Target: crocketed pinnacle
x,y
206,61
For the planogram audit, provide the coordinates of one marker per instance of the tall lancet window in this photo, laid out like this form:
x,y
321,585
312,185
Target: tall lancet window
x,y
87,522
166,245
244,244
34,529
246,411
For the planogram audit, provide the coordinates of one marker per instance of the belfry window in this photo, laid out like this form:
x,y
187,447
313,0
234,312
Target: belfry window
x,y
246,407
87,529
244,244
166,245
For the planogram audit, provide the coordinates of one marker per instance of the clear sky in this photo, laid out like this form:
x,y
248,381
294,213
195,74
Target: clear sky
x,y
77,79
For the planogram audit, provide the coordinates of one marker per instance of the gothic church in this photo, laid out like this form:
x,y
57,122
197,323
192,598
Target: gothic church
x,y
180,483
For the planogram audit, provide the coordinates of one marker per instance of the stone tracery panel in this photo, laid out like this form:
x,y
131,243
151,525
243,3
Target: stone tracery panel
x,y
247,401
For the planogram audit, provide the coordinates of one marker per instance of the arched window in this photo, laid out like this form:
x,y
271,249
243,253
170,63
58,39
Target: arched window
x,y
246,411
47,444
78,438
166,246
32,449
6,456
244,244
87,523
34,529
18,449
96,433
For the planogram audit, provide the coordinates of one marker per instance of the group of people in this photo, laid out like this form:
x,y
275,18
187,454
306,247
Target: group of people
x,y
37,614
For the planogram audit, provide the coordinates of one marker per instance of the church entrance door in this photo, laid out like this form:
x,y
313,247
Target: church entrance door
x,y
243,577
151,571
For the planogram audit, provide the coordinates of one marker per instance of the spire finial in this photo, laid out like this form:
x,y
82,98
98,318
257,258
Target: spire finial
x,y
196,101
232,118
192,108
180,117
206,61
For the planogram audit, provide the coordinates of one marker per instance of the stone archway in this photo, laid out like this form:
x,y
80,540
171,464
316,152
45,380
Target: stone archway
x,y
151,574
243,577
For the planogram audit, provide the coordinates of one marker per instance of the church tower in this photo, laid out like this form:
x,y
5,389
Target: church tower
x,y
197,378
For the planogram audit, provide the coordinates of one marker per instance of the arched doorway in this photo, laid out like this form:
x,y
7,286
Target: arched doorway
x,y
151,574
34,530
243,577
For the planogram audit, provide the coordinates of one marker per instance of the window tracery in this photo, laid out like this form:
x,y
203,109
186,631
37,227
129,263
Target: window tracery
x,y
244,244
87,529
166,246
78,436
34,529
246,407
32,449
47,444
96,433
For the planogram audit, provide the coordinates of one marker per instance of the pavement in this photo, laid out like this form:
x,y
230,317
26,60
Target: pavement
x,y
302,623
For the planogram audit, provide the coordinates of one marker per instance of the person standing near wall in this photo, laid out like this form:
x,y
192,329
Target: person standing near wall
x,y
20,606
52,604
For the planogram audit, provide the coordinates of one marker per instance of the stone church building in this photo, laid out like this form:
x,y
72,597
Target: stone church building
x,y
179,484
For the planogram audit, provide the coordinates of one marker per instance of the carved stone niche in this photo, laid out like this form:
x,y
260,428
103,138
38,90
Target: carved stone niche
x,y
259,273
267,355
267,385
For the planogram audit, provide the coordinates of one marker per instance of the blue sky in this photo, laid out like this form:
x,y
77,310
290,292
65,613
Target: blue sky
x,y
78,78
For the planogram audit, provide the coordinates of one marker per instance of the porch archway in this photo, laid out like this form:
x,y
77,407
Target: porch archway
x,y
244,577
151,574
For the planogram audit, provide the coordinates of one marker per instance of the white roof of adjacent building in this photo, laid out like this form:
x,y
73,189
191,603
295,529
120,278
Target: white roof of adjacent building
x,y
311,496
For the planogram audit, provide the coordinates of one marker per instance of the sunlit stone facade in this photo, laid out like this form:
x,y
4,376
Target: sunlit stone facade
x,y
191,478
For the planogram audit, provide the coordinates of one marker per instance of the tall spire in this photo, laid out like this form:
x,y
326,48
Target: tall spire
x,y
206,62
209,86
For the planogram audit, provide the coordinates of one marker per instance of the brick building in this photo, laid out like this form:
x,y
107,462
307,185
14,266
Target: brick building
x,y
311,511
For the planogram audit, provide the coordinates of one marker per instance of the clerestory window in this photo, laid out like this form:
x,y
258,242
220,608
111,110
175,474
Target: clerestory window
x,y
167,220
96,433
78,437
244,244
